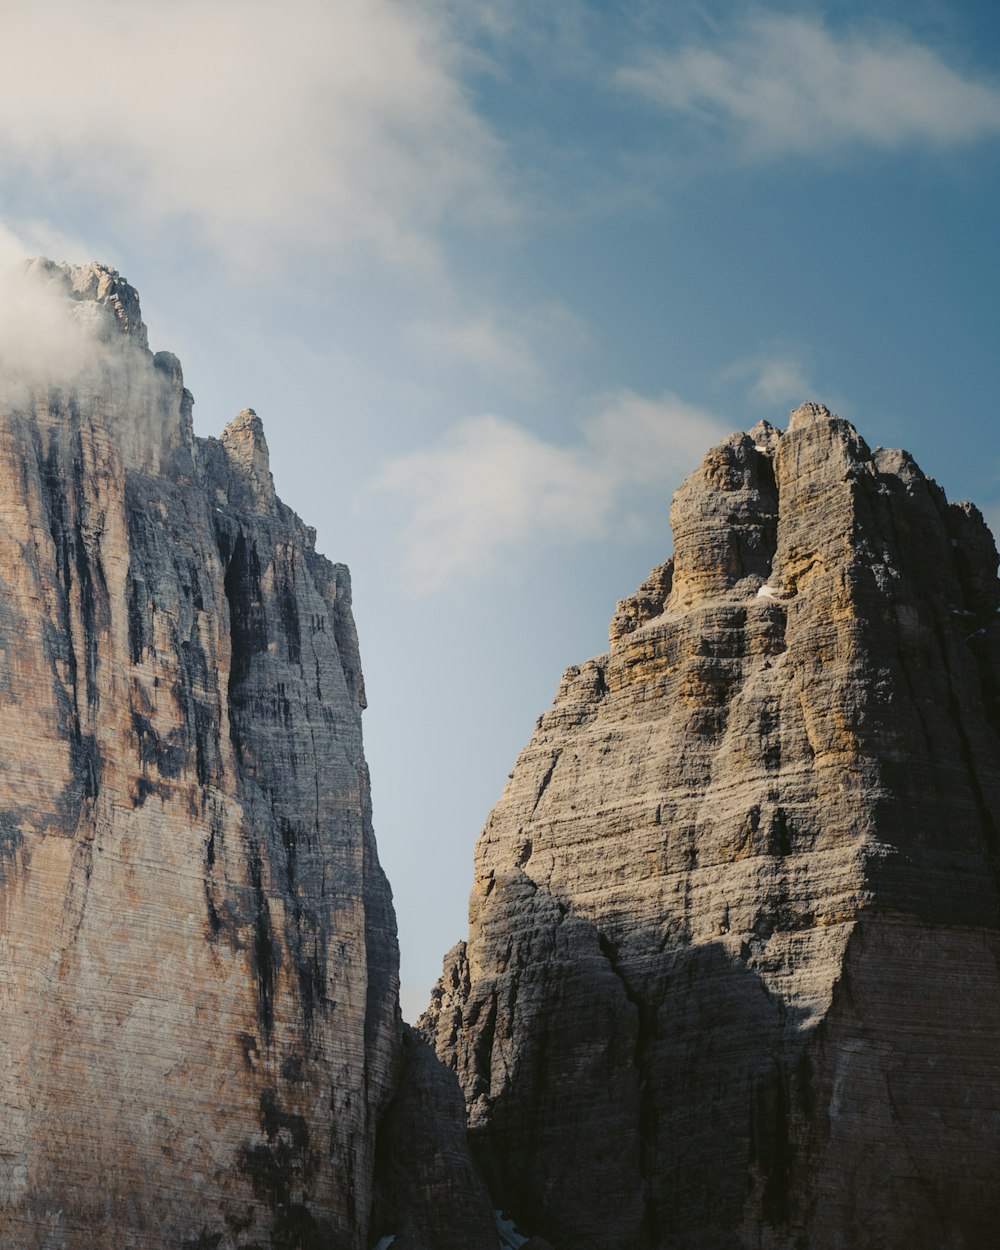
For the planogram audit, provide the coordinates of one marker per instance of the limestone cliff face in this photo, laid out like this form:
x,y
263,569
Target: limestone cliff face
x,y
198,969
732,968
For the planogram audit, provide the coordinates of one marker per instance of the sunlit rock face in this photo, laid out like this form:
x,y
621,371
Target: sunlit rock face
x,y
732,969
198,969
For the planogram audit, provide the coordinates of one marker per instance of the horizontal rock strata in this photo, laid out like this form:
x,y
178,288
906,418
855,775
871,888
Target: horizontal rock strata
x,y
198,968
732,969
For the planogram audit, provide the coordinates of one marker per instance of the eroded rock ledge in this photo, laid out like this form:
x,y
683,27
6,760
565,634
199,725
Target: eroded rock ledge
x,y
731,975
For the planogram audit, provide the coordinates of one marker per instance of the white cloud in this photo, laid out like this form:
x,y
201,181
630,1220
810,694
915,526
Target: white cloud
x,y
511,347
773,378
482,342
640,441
45,338
13,249
33,237
490,489
267,127
780,381
786,84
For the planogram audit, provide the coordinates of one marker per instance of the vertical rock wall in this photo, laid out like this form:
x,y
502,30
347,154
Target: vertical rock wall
x,y
731,976
198,968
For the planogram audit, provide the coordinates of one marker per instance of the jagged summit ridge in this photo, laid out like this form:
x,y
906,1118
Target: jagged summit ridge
x,y
103,298
726,890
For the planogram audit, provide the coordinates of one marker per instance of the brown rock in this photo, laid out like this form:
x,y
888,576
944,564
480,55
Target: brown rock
x,y
199,1029
731,976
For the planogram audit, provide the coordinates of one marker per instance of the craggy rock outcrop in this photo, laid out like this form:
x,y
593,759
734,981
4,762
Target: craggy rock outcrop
x,y
199,1027
430,1195
732,968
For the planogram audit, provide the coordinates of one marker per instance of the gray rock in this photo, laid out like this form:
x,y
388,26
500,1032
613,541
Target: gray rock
x,y
429,1194
199,1025
732,969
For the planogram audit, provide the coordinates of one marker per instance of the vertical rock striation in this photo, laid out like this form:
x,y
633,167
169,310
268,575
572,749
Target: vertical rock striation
x,y
198,969
732,969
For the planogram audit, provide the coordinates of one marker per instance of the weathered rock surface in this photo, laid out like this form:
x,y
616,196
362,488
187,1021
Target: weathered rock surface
x,y
430,1195
199,1028
732,969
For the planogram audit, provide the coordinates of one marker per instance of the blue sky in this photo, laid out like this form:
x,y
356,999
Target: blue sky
x,y
495,275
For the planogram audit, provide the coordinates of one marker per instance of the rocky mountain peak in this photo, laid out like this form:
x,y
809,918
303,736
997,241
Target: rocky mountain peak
x,y
84,361
107,303
765,437
249,459
808,413
709,995
724,519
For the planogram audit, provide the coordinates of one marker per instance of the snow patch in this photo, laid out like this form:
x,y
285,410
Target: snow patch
x,y
766,592
386,1242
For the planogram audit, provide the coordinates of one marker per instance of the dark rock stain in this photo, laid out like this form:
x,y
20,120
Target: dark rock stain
x,y
266,955
281,1170
246,613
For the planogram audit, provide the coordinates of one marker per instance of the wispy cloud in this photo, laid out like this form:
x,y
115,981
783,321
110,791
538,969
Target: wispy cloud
x,y
511,347
46,338
772,378
267,128
490,489
782,84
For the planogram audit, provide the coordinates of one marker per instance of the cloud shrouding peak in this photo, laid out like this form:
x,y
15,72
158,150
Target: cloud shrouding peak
x,y
781,85
265,127
491,489
46,338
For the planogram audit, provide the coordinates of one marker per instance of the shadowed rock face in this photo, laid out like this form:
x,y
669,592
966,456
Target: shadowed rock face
x,y
430,1195
732,968
198,968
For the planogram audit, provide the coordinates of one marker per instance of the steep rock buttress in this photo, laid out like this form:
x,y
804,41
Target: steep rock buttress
x,y
199,1029
732,969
